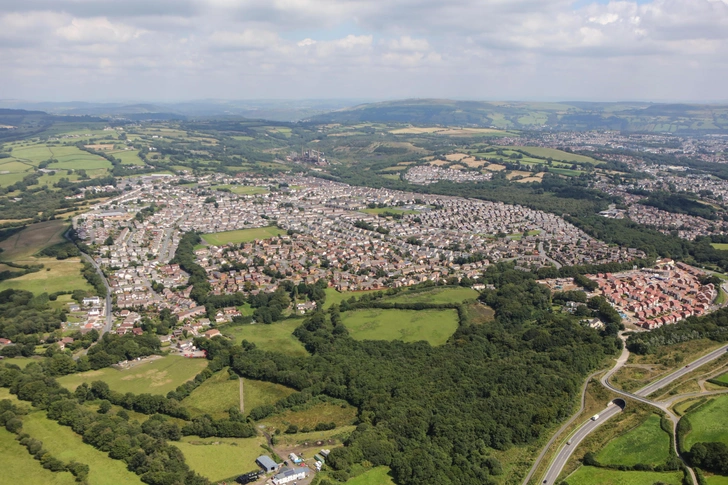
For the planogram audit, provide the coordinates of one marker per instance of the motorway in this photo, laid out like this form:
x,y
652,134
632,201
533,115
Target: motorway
x,y
566,451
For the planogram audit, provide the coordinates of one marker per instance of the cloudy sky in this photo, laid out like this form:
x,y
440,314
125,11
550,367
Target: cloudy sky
x,y
170,50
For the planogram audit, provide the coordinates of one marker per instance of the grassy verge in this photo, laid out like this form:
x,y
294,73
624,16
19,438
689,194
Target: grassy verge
x,y
647,443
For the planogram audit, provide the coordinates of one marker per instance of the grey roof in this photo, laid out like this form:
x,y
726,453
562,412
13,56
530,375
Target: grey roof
x,y
287,472
266,461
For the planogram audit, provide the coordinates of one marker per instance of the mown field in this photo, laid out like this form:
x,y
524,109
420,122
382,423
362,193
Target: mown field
x,y
276,337
434,326
156,377
709,423
215,396
66,445
587,475
220,458
242,235
17,464
646,444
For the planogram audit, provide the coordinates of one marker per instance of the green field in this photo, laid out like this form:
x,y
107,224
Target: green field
x,y
375,476
276,337
722,378
646,444
242,235
438,295
215,396
243,189
434,326
62,275
720,246
66,445
325,412
335,297
220,458
17,464
257,393
587,475
555,154
157,377
709,423
32,239
717,480
128,157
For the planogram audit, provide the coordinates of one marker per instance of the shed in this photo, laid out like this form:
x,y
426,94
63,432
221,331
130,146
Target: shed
x,y
266,463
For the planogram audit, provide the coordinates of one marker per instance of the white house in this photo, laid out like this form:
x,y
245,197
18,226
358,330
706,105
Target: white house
x,y
288,475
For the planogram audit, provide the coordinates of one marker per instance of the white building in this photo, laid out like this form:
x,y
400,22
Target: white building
x,y
288,475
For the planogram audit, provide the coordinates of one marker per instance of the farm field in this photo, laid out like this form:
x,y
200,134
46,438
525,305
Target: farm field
x,y
709,423
439,295
434,326
375,476
220,458
587,475
16,462
128,157
215,396
647,444
55,276
555,154
156,377
326,412
242,235
66,445
32,239
276,337
257,393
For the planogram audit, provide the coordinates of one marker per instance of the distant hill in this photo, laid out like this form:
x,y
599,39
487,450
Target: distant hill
x,y
637,117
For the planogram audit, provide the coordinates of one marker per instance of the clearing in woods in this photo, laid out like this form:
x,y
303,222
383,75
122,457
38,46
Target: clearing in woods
x,y
155,377
647,444
258,393
375,476
276,337
214,396
434,326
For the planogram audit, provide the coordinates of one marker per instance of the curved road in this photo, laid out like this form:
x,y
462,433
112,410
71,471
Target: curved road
x,y
565,453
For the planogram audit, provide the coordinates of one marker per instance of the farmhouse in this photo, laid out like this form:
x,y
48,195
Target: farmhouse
x,y
290,474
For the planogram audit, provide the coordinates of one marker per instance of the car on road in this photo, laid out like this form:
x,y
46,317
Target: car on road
x,y
595,417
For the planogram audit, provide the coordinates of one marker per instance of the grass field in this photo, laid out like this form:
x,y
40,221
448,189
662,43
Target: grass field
x,y
555,154
243,189
215,396
375,476
434,326
257,393
335,297
32,239
18,466
722,378
128,157
66,445
341,414
587,475
438,295
242,235
717,480
709,423
276,337
220,458
647,444
720,246
156,377
55,276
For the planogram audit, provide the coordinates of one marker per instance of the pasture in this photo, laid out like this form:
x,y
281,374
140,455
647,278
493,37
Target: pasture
x,y
434,326
55,276
242,235
646,444
32,239
709,423
18,464
588,475
375,476
276,337
554,154
220,458
325,412
66,445
717,480
336,297
214,396
154,377
128,157
438,295
258,393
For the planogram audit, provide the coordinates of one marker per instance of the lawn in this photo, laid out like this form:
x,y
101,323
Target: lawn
x,y
220,458
215,396
434,326
709,423
438,295
375,476
257,393
66,445
156,377
19,466
647,444
242,235
587,475
276,337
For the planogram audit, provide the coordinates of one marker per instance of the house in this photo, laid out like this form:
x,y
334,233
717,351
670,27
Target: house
x,y
266,463
91,301
212,333
288,475
137,331
4,341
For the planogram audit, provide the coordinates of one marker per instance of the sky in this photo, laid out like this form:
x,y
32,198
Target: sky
x,y
176,50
